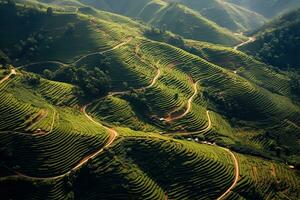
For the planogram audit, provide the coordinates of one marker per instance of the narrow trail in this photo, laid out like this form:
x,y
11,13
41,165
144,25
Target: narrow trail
x,y
51,126
196,132
102,52
154,80
152,83
12,72
188,107
113,134
236,174
79,59
251,39
112,137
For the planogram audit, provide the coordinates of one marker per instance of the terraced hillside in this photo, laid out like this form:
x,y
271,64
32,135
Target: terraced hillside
x,y
185,21
101,112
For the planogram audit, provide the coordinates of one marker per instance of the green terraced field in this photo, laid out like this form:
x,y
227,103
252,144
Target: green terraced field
x,y
188,120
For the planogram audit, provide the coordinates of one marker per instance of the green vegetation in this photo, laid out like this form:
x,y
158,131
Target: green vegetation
x,y
170,16
268,8
230,16
95,105
277,43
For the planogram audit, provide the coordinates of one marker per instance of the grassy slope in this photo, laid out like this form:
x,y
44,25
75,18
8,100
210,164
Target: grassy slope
x,y
138,164
189,24
131,160
159,14
224,14
39,29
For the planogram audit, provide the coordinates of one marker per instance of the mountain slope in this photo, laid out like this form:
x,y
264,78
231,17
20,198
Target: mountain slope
x,y
169,125
268,8
189,24
227,15
173,17
277,43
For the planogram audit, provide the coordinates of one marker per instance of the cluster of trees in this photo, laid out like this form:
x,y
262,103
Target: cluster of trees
x,y
90,81
281,48
278,42
160,34
32,79
28,47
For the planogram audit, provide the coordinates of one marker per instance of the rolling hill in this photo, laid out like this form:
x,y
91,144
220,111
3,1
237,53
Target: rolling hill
x,y
92,107
230,16
277,43
171,16
268,8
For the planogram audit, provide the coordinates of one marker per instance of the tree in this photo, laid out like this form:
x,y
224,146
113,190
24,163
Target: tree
x,y
33,80
48,74
49,11
176,41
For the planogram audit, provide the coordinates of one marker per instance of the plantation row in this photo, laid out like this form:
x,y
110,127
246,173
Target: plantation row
x,y
58,93
244,65
167,96
262,179
224,87
184,175
119,112
50,138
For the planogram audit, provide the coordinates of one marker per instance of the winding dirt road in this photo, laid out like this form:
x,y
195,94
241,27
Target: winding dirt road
x,y
79,59
102,52
251,39
112,136
235,161
188,107
236,174
154,80
12,72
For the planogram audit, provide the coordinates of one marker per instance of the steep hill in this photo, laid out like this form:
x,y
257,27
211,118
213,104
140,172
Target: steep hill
x,y
155,13
189,24
277,43
230,16
268,8
91,108
173,17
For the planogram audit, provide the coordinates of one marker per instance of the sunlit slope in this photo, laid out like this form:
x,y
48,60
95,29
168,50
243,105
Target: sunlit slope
x,y
183,107
44,37
225,14
43,132
149,166
190,24
173,17
244,65
224,86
